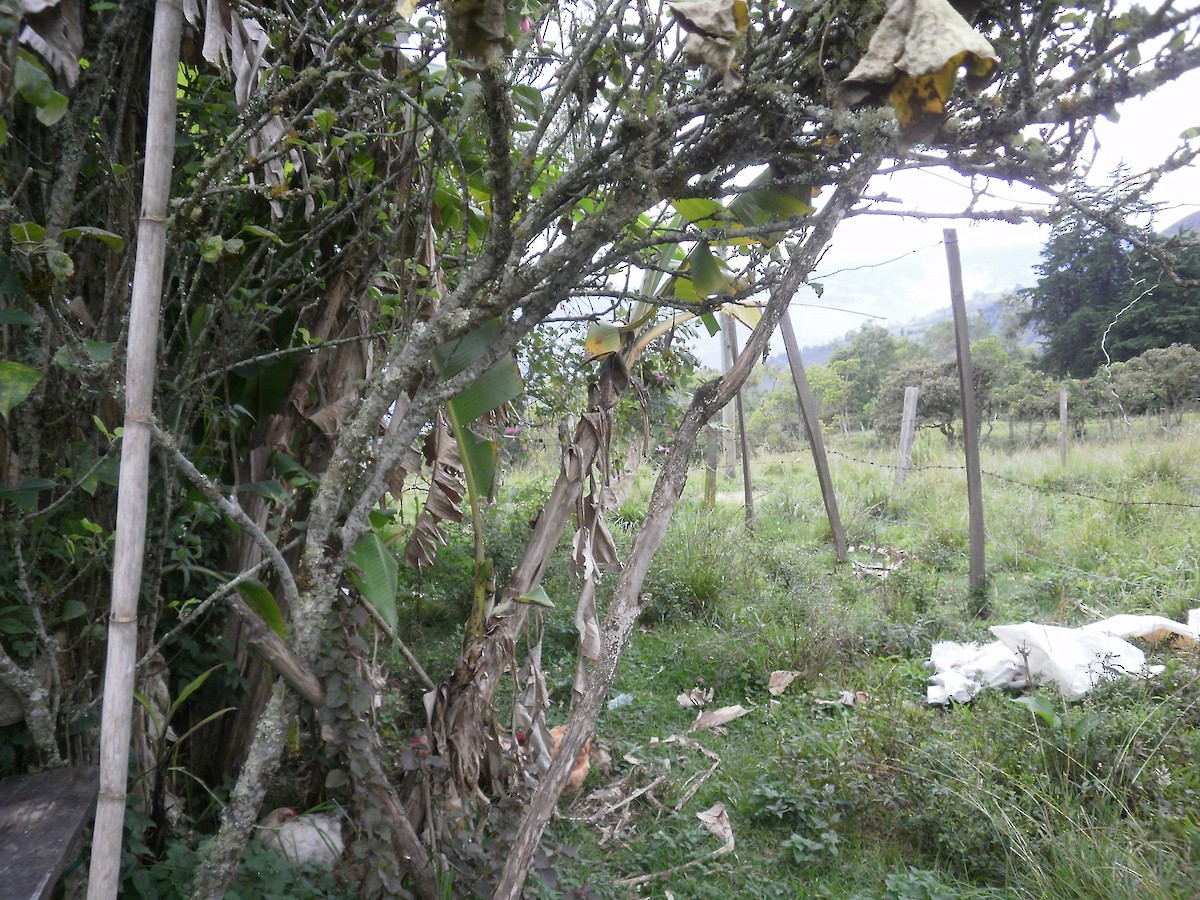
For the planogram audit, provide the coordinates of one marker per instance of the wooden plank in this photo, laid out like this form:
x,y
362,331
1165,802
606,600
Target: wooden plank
x,y
41,818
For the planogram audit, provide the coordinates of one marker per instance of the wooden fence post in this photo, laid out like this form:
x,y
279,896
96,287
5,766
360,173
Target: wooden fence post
x,y
908,429
816,437
730,330
1062,425
966,384
727,412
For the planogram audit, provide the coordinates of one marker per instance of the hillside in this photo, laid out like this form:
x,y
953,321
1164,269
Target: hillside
x,y
994,308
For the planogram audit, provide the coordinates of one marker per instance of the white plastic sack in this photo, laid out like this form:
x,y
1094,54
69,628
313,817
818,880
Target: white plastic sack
x,y
1073,659
962,670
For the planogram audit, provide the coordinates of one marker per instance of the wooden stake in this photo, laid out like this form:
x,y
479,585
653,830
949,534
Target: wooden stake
x,y
1062,425
908,429
730,329
966,383
712,460
816,437
727,413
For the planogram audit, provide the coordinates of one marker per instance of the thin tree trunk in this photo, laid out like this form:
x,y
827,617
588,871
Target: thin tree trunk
x,y
34,698
115,723
626,604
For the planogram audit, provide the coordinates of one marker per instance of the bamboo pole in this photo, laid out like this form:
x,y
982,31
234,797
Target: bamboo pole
x,y
966,385
120,664
816,436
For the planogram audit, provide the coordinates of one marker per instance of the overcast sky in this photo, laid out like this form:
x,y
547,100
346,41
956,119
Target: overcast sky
x,y
892,270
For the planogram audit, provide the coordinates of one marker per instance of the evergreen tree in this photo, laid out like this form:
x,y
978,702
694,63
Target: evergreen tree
x,y
1100,294
1086,278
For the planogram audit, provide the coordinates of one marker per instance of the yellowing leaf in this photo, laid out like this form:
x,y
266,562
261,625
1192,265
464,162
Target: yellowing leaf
x,y
920,102
749,316
603,340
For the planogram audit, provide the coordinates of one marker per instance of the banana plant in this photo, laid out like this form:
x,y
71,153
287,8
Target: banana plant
x,y
462,463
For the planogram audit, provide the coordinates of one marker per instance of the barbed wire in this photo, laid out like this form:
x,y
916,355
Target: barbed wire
x,y
1041,488
1091,576
993,542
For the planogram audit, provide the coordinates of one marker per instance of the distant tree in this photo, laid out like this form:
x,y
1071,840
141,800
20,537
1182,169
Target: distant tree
x,y
1086,277
1167,307
871,354
775,421
938,403
1028,394
1102,291
938,339
1163,380
830,384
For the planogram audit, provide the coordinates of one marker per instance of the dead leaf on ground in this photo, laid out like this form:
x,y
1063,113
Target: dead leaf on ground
x,y
716,820
713,718
697,696
779,681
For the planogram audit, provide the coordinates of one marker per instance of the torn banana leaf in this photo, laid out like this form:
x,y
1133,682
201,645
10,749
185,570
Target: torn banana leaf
x,y
913,60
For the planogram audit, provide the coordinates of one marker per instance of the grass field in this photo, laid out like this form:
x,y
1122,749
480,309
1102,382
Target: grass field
x,y
889,798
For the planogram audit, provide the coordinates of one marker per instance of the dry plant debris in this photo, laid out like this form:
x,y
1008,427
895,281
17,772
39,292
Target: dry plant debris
x,y
697,697
715,718
779,680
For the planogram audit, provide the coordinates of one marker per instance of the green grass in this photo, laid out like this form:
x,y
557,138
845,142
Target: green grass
x,y
890,798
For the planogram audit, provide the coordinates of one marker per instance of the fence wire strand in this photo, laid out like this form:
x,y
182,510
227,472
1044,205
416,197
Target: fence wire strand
x,y
1041,488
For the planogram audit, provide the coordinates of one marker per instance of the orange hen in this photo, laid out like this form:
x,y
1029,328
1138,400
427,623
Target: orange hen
x,y
579,770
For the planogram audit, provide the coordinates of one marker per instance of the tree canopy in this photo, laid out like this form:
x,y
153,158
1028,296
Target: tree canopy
x,y
1107,292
